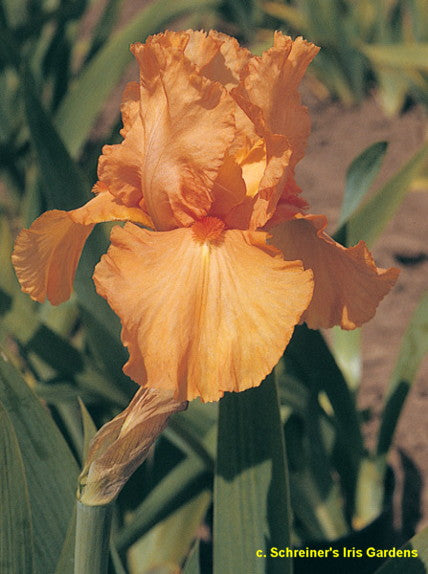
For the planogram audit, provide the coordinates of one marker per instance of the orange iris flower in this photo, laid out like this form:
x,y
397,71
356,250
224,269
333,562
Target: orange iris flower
x,y
208,299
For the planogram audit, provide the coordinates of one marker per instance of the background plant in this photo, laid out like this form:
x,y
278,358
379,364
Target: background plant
x,y
365,46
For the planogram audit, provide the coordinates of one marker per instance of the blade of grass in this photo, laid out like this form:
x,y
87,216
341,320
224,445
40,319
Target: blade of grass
x,y
168,542
309,359
346,346
370,219
15,12
56,351
104,27
316,499
192,565
315,365
65,185
321,516
414,347
359,177
184,482
370,493
16,533
398,55
392,90
251,497
288,14
193,431
106,348
50,469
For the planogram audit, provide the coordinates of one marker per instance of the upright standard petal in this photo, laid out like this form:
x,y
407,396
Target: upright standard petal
x,y
268,93
219,57
348,285
203,310
46,255
130,106
120,165
188,125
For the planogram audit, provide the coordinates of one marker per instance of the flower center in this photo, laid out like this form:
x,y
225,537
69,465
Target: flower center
x,y
208,229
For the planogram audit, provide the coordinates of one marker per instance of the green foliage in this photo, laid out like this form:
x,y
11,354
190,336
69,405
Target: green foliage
x,y
359,178
16,541
414,559
363,44
414,347
43,470
368,222
83,103
251,484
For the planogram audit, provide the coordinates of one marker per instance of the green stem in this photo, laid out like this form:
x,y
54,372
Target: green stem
x,y
92,539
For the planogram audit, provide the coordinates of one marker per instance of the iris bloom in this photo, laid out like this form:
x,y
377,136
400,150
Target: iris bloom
x,y
207,297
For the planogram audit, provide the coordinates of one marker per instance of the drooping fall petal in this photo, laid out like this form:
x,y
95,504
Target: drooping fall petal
x,y
203,311
348,285
122,444
46,255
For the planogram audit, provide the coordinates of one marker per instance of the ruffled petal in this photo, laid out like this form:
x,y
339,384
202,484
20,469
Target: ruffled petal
x,y
203,310
130,106
228,191
219,57
188,124
259,176
46,255
348,285
268,93
201,49
232,60
120,165
235,191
